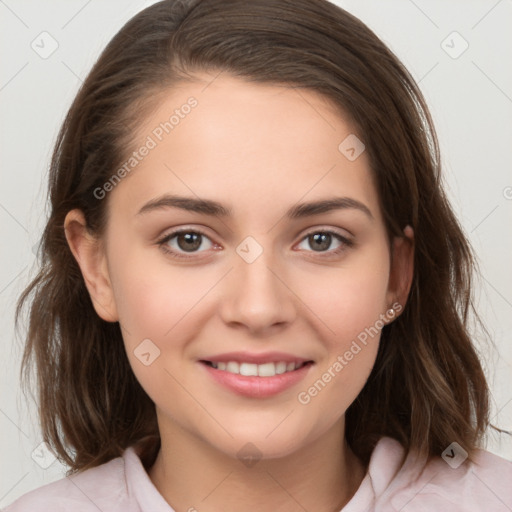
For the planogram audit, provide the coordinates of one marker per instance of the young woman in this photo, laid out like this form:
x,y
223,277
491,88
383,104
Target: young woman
x,y
254,293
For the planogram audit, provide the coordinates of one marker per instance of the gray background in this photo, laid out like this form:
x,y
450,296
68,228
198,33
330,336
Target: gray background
x,y
469,93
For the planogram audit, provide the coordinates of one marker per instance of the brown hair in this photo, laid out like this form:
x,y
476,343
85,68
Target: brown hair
x,y
427,387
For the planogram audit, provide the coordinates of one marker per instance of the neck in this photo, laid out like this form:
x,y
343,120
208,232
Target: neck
x,y
193,476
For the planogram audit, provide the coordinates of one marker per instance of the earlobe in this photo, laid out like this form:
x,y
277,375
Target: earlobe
x,y
402,268
89,253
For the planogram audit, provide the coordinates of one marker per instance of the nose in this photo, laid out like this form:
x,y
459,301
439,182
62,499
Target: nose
x,y
256,295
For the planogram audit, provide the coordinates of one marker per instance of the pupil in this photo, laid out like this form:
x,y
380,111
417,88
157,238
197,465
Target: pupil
x,y
323,238
192,239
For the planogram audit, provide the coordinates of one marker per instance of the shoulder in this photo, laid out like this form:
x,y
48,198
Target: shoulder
x,y
451,483
100,488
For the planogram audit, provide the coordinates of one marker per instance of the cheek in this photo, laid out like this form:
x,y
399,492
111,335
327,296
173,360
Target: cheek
x,y
350,303
152,295
353,318
350,298
158,306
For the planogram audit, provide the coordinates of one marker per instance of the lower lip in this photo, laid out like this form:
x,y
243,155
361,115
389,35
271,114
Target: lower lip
x,y
257,387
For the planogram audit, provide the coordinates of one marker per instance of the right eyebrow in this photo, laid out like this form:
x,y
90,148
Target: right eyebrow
x,y
204,206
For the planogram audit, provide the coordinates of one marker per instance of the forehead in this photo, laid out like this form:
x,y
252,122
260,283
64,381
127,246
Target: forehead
x,y
254,147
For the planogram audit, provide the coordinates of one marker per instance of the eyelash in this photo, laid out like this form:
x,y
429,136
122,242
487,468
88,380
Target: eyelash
x,y
162,242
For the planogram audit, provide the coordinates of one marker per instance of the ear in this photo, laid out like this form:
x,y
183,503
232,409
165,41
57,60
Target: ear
x,y
91,258
402,270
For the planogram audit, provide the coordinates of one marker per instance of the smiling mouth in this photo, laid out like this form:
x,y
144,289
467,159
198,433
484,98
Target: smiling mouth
x,y
257,370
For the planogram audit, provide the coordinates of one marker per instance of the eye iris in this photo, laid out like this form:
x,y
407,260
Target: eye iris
x,y
189,238
324,239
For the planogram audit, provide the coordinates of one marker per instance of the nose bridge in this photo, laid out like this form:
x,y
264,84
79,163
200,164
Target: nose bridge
x,y
257,296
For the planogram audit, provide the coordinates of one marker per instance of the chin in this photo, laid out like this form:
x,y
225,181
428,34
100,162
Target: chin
x,y
254,444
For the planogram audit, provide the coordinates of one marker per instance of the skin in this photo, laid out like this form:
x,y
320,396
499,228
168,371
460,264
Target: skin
x,y
258,149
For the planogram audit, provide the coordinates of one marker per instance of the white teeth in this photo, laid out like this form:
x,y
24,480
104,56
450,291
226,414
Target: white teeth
x,y
253,370
266,370
233,367
249,370
280,368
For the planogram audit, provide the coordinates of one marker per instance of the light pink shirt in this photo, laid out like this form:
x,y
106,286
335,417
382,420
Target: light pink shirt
x,y
122,485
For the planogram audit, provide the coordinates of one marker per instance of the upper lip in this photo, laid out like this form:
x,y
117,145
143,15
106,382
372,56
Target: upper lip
x,y
262,358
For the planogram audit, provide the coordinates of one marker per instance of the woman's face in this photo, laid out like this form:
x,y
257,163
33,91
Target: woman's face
x,y
259,277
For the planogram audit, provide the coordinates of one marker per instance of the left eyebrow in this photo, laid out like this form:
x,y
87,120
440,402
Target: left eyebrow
x,y
215,209
326,205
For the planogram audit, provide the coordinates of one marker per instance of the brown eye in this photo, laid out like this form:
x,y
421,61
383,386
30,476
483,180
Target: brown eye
x,y
178,243
189,242
321,241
